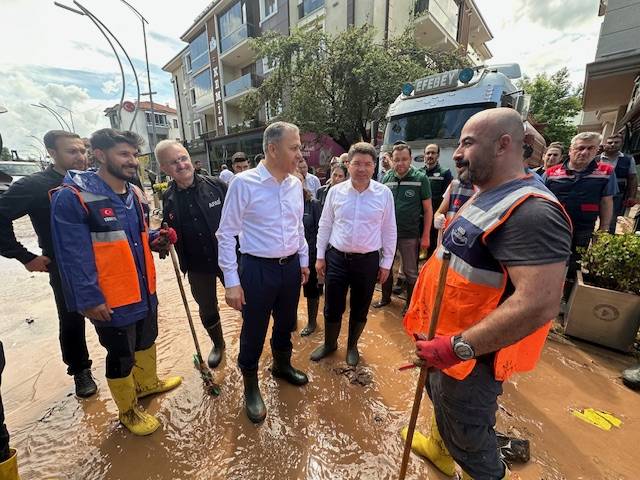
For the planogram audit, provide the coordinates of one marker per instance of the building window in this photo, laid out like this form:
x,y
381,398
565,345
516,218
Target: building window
x,y
201,85
232,19
187,62
192,93
305,7
199,52
175,123
266,68
147,116
197,128
161,119
268,8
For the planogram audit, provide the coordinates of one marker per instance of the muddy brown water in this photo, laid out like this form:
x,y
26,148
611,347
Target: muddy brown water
x,y
329,429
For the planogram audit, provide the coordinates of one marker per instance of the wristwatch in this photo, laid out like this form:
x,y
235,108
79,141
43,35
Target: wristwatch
x,y
462,349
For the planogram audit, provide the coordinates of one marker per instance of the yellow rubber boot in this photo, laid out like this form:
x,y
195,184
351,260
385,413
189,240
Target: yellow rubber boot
x,y
9,468
432,448
146,377
132,416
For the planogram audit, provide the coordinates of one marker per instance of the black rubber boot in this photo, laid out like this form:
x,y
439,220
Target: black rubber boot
x,y
312,315
85,386
387,287
353,356
410,287
331,333
399,286
215,356
631,377
256,410
282,369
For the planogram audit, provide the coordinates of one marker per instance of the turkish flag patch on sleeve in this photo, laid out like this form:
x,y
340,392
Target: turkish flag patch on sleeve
x,y
107,212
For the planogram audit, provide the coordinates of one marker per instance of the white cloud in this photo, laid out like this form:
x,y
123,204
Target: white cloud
x,y
111,86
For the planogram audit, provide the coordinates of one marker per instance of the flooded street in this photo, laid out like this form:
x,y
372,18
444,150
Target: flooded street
x,y
329,429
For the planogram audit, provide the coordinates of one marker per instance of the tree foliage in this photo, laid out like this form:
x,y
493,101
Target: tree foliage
x,y
337,84
5,155
554,102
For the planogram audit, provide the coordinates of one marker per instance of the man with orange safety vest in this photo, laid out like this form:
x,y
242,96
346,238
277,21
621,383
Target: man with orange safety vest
x,y
508,242
103,247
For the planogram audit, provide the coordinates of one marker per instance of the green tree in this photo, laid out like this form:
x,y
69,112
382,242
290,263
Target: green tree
x,y
554,102
338,84
5,155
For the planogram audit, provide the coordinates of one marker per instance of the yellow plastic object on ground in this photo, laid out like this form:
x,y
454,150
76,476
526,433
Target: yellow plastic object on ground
x,y
602,420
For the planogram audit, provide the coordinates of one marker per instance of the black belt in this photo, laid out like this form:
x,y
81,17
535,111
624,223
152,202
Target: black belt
x,y
279,261
353,255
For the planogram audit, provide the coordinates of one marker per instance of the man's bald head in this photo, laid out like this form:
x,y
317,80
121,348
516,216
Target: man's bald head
x,y
491,146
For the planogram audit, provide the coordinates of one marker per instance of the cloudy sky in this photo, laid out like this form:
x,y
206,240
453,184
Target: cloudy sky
x,y
56,57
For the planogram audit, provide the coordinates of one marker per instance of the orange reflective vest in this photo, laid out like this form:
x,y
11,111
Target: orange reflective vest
x,y
115,263
475,281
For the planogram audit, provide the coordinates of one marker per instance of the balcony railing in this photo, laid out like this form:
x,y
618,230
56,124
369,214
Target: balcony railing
x,y
242,84
240,34
309,6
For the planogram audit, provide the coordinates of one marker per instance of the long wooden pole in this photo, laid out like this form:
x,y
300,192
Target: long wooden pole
x,y
424,370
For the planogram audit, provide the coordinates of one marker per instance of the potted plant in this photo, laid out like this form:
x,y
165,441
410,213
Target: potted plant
x,y
158,192
604,306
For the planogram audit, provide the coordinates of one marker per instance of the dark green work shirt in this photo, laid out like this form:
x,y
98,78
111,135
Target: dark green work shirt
x,y
408,194
439,178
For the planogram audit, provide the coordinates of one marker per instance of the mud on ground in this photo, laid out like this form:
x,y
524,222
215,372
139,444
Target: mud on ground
x,y
330,429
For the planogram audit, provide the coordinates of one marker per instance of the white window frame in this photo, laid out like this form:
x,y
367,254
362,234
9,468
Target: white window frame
x,y
262,10
192,96
187,62
195,128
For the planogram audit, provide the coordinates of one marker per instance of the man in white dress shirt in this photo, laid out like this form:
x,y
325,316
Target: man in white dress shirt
x,y
225,174
264,208
356,244
311,182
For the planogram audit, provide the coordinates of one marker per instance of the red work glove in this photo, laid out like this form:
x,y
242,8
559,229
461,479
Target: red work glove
x,y
166,236
630,202
170,234
437,353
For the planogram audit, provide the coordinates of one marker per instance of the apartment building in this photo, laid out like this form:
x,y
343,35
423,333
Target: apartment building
x,y
217,67
164,117
612,82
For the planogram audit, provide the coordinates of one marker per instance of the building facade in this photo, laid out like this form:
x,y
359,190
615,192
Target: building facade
x,y
612,82
218,68
164,117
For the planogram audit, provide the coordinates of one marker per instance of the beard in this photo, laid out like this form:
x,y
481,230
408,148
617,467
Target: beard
x,y
119,172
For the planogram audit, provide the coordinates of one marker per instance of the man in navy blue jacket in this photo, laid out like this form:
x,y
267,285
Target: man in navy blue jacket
x,y
103,247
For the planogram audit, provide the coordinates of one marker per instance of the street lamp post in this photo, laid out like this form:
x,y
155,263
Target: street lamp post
x,y
53,113
104,30
146,58
73,127
2,110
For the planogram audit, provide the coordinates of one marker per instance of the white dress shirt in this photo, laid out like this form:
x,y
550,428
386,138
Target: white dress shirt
x,y
312,183
226,176
267,217
355,222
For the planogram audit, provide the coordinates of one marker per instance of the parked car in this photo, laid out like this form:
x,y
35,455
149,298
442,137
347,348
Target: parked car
x,y
13,171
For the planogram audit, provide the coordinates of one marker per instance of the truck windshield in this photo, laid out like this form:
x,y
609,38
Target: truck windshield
x,y
431,124
20,170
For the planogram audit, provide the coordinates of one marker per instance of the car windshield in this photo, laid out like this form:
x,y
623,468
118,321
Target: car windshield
x,y
19,170
431,124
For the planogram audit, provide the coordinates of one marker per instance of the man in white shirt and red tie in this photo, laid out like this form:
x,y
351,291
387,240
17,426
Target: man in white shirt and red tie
x,y
356,244
264,208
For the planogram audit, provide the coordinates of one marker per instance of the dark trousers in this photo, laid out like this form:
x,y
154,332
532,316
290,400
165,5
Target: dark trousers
x,y
580,239
433,240
122,343
203,289
465,412
618,211
312,289
357,272
73,342
269,289
4,434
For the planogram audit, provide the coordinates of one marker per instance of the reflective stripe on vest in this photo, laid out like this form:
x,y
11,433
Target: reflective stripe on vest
x,y
475,281
115,263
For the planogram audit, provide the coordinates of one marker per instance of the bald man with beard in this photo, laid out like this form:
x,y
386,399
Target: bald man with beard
x,y
509,246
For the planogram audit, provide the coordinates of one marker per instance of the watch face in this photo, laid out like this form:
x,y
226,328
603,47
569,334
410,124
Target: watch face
x,y
463,351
